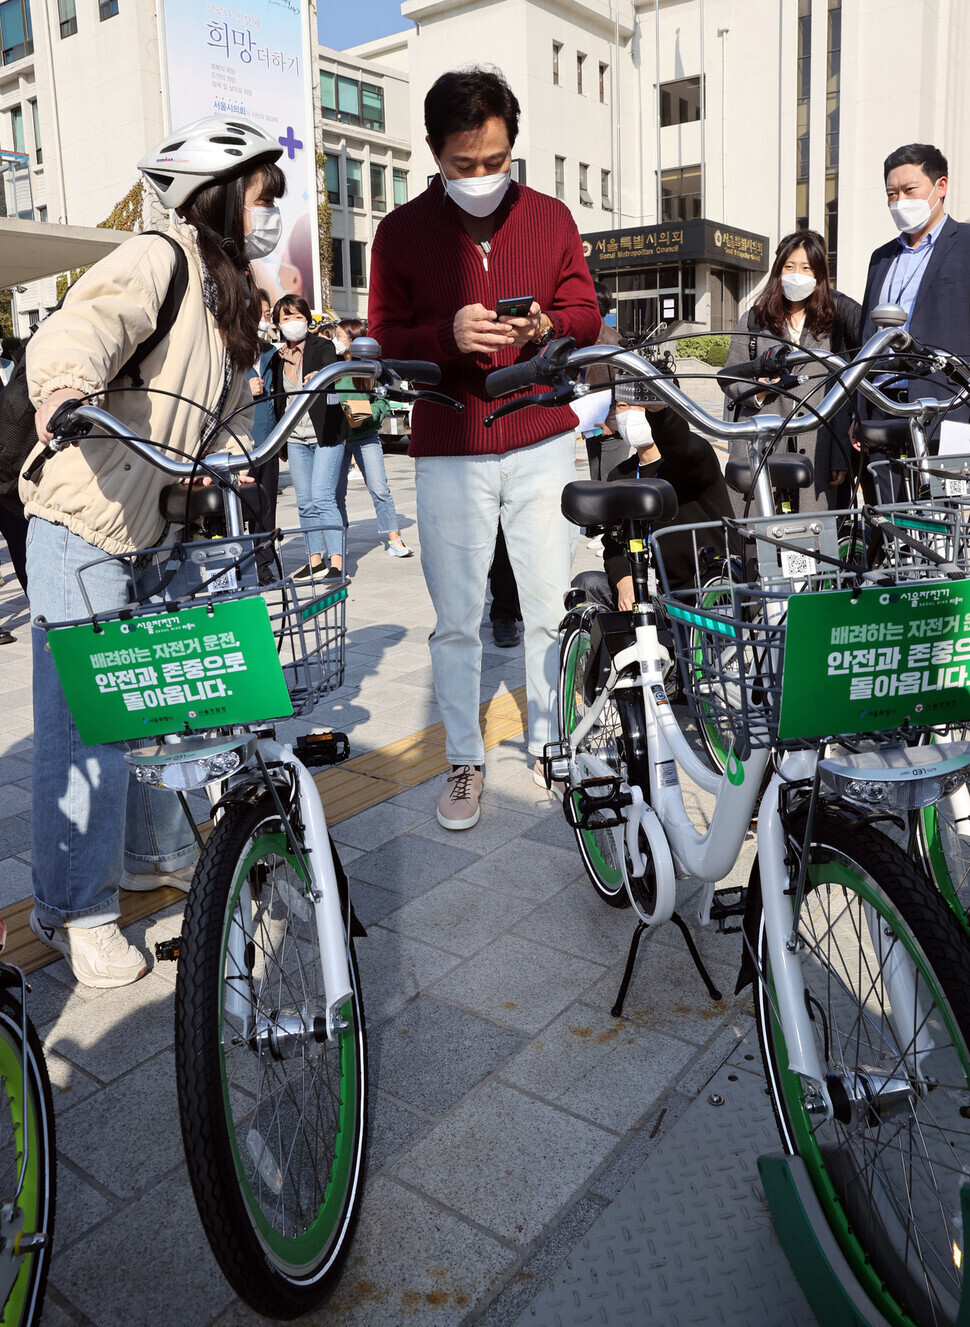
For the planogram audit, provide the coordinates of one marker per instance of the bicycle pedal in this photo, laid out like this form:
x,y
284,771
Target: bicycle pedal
x,y
168,950
323,748
721,910
554,762
596,803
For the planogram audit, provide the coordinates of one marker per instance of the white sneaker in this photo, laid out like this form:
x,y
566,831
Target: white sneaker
x,y
98,955
397,548
596,545
145,881
557,787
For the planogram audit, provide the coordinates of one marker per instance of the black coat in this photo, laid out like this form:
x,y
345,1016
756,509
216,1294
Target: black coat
x,y
941,313
690,464
327,420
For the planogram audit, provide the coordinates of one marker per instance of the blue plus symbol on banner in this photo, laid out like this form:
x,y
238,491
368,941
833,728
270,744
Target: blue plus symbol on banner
x,y
290,142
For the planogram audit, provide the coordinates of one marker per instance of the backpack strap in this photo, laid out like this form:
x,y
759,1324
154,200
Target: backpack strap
x,y
752,339
167,313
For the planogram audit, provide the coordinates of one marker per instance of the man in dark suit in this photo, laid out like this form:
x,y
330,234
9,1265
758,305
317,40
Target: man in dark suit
x,y
926,269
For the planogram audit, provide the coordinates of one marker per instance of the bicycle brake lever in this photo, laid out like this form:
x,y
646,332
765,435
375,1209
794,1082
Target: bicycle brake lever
x,y
436,398
561,394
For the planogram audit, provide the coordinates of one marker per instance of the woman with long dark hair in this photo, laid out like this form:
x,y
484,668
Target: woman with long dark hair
x,y
313,448
92,828
362,442
798,306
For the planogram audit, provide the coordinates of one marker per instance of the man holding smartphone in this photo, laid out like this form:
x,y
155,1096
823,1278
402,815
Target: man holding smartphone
x,y
440,267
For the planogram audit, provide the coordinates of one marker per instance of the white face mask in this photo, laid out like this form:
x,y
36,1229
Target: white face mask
x,y
480,195
341,346
634,428
294,329
911,214
267,227
797,285
266,329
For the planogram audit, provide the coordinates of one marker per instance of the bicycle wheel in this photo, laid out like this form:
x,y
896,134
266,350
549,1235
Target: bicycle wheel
x,y
943,843
37,1197
885,970
273,1112
617,740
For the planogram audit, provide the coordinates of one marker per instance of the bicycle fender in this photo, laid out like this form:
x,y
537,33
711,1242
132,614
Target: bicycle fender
x,y
665,884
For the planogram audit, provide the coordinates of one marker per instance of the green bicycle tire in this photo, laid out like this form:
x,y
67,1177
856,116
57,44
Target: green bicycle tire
x,y
886,1186
273,1131
25,1302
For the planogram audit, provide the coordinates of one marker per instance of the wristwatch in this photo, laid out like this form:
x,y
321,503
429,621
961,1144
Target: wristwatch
x,y
548,335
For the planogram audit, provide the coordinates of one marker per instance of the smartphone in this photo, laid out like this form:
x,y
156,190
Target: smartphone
x,y
514,308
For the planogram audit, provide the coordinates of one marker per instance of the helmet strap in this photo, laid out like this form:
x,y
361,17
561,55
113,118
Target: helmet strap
x,y
227,242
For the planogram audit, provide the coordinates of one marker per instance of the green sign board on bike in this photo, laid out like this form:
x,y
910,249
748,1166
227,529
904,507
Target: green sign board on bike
x,y
171,672
870,661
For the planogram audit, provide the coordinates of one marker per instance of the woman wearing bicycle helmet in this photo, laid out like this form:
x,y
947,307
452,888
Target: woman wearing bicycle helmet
x,y
91,831
798,306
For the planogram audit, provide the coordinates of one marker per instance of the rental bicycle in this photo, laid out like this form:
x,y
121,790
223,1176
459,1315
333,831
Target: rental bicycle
x,y
858,964
270,1039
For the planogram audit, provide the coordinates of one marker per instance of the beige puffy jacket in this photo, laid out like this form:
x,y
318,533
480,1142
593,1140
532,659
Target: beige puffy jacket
x,y
100,490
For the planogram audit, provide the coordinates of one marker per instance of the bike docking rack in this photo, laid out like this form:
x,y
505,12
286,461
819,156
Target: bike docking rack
x,y
790,646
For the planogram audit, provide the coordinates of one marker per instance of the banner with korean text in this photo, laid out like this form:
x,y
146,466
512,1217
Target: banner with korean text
x,y
254,59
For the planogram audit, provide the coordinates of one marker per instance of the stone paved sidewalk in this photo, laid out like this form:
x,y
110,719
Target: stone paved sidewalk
x,y
509,1107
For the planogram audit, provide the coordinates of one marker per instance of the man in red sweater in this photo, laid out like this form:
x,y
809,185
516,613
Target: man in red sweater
x,y
438,266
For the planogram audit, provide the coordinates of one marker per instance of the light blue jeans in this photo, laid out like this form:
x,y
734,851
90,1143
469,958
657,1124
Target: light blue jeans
x,y
368,454
315,472
461,500
89,819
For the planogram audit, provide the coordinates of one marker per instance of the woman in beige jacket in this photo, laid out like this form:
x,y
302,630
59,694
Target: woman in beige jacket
x,y
91,830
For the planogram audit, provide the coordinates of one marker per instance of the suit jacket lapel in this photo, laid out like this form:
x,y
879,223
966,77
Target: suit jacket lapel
x,y
941,247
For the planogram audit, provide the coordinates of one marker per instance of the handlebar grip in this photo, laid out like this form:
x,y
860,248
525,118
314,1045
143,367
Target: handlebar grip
x,y
501,382
413,370
64,421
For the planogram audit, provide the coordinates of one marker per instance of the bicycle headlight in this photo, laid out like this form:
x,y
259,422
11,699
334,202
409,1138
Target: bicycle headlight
x,y
185,766
901,778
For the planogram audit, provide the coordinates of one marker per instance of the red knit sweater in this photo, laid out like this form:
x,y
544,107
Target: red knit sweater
x,y
425,267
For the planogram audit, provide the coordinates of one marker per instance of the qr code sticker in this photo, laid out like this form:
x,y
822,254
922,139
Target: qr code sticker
x,y
221,583
956,488
797,565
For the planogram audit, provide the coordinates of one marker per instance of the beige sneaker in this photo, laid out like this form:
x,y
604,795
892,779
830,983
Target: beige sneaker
x,y
458,805
146,880
98,955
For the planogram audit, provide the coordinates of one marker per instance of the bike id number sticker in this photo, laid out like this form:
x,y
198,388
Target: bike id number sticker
x,y
666,774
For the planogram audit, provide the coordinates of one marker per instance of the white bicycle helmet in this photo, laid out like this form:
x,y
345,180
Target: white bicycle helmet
x,y
203,152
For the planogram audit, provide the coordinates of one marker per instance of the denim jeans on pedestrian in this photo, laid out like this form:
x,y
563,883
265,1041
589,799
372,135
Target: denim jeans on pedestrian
x,y
89,820
460,501
369,455
315,472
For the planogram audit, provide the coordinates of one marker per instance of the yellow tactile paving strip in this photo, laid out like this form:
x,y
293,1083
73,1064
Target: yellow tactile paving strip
x,y
354,786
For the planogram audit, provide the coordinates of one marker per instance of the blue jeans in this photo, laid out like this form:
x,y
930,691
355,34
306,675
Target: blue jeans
x,y
89,819
315,472
369,456
461,500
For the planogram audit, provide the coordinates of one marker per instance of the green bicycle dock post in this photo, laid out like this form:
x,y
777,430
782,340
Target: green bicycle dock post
x,y
819,1265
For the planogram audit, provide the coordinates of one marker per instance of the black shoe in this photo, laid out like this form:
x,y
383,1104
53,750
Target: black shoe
x,y
334,574
6,638
505,633
307,571
267,577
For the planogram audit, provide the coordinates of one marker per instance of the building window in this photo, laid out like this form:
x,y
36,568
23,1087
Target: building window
x,y
67,16
584,195
560,177
107,9
42,216
605,190
17,128
38,149
378,190
680,191
803,113
518,170
337,263
358,270
833,90
350,102
556,48
16,33
680,101
372,106
580,61
604,71
355,183
331,172
400,186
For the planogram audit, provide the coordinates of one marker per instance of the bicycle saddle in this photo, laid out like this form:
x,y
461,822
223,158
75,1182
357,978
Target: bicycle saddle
x,y
596,502
885,435
787,471
182,505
